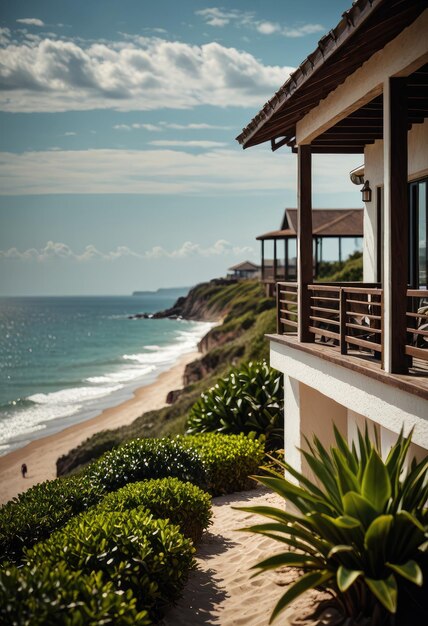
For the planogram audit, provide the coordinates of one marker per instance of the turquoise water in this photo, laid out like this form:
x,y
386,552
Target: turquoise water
x,y
65,359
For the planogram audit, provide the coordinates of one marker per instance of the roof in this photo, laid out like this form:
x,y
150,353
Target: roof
x,y
363,30
325,223
245,266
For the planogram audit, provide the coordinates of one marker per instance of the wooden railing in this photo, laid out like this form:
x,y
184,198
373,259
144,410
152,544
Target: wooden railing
x,y
349,316
417,324
287,314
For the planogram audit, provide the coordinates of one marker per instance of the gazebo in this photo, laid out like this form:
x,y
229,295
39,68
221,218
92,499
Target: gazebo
x,y
326,224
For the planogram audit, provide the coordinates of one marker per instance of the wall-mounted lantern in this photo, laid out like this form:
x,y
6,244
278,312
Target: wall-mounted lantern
x,y
366,192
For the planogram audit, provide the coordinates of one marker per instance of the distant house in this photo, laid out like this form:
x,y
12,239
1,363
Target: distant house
x,y
247,269
332,224
358,352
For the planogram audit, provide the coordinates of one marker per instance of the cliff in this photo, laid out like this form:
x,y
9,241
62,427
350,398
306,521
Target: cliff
x,y
244,316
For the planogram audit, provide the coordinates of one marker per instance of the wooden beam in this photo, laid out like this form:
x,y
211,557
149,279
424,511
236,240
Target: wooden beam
x,y
396,230
304,240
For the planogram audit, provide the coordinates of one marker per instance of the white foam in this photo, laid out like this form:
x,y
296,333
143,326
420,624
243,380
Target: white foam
x,y
122,376
75,394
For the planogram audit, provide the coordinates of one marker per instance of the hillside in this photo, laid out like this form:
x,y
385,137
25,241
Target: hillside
x,y
244,314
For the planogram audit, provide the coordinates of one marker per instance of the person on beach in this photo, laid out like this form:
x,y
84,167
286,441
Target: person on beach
x,y
24,470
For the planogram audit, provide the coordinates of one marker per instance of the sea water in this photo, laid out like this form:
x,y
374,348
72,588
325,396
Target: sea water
x,y
65,359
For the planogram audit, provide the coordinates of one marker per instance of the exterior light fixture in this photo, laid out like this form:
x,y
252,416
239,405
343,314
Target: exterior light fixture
x,y
366,192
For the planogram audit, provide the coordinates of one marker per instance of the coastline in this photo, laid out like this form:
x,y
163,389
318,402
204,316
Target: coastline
x,y
41,455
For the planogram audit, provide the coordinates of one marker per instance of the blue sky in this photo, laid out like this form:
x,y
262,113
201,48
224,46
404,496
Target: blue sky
x,y
119,168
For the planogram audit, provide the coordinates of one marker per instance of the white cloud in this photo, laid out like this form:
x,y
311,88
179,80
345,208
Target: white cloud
x,y
301,31
31,21
268,28
70,133
187,144
162,126
190,249
218,17
151,171
219,171
57,251
145,73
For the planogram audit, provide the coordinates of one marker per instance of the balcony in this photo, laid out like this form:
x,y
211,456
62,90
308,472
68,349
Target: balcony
x,y
346,325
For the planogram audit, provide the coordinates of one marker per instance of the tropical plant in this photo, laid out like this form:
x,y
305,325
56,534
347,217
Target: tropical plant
x,y
182,503
248,400
362,528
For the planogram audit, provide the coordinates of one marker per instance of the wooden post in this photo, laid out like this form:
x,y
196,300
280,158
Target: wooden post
x,y
275,262
396,227
263,260
304,240
316,257
285,259
342,318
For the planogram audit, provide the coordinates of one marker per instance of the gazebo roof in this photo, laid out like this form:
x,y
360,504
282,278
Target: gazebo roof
x,y
325,223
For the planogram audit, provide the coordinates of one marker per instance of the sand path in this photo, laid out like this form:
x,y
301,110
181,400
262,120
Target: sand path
x,y
221,591
41,455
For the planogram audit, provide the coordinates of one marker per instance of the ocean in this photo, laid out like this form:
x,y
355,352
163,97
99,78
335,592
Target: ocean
x,y
65,359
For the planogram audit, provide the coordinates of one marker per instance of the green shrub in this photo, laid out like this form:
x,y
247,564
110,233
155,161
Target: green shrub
x,y
248,400
35,514
133,551
216,463
183,504
43,596
146,458
229,460
362,529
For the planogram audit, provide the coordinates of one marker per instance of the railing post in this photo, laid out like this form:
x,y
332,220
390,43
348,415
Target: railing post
x,y
278,309
342,318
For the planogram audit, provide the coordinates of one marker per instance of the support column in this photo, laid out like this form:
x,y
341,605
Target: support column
x,y
263,260
396,224
286,276
304,239
316,257
340,249
275,262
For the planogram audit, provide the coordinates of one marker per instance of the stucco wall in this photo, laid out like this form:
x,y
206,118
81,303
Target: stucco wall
x,y
317,415
373,172
384,404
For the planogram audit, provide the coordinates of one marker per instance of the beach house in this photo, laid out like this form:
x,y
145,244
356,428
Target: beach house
x,y
328,226
244,270
357,352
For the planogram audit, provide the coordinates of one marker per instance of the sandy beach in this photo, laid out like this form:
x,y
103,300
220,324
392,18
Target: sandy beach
x,y
41,455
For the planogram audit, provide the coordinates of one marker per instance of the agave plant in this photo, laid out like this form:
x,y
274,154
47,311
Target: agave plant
x,y
248,400
362,529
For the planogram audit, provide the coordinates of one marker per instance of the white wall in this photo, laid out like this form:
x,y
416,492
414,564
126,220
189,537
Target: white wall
x,y
384,404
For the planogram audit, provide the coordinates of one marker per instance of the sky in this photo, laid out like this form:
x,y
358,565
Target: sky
x,y
119,168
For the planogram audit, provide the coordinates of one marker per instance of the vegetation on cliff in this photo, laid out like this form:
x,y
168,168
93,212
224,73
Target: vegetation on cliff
x,y
245,316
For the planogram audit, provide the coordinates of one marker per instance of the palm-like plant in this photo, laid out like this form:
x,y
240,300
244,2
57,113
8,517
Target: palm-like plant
x,y
362,532
248,400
